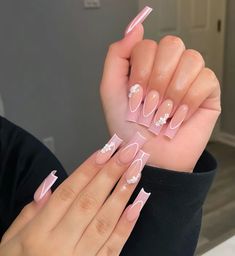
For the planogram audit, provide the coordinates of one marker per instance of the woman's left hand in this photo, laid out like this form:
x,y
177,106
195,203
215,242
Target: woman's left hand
x,y
180,86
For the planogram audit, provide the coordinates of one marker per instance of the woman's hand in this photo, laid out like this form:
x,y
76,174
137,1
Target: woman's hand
x,y
173,84
84,216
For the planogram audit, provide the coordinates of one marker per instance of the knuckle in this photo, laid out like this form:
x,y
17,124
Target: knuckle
x,y
102,225
86,202
195,55
113,47
173,39
65,193
144,44
210,74
110,251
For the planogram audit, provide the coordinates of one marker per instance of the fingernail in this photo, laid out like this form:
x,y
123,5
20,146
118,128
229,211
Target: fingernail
x,y
149,107
107,151
133,173
128,153
135,209
135,98
161,116
138,19
45,186
176,121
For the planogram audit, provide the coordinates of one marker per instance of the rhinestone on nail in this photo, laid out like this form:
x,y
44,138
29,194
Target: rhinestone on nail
x,y
162,120
107,147
134,179
134,89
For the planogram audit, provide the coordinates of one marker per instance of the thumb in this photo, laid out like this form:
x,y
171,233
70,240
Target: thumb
x,y
116,67
25,216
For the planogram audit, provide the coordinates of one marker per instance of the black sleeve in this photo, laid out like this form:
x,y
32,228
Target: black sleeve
x,y
24,163
169,223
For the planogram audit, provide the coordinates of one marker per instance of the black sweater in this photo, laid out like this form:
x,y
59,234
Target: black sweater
x,y
169,223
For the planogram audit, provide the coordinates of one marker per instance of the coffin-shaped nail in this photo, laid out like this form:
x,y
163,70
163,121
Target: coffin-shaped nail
x,y
45,186
176,121
135,98
149,107
128,153
161,116
133,173
138,19
134,211
107,151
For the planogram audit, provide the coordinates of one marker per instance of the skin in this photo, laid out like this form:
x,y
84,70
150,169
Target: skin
x,y
162,67
80,217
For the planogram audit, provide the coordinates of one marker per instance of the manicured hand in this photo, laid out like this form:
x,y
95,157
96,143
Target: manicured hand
x,y
86,214
162,90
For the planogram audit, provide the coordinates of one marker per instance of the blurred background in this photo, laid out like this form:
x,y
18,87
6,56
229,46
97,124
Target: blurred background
x,y
51,60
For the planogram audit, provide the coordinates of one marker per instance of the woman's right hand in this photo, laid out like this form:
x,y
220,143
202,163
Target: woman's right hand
x,y
84,216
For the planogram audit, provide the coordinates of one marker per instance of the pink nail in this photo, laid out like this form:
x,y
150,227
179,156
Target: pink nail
x,y
135,98
138,19
149,107
135,209
107,151
161,116
128,153
45,186
133,173
176,121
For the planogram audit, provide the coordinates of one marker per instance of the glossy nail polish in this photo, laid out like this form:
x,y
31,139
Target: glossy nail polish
x,y
133,173
128,153
135,209
161,116
176,121
149,107
138,19
107,151
45,186
135,99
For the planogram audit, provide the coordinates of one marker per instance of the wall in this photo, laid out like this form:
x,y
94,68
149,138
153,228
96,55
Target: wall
x,y
51,57
228,91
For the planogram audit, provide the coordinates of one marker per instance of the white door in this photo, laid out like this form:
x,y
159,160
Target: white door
x,y
200,23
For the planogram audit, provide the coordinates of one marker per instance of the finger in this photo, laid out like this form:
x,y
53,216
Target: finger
x,y
167,58
142,59
124,227
204,88
106,219
190,65
92,197
25,216
66,193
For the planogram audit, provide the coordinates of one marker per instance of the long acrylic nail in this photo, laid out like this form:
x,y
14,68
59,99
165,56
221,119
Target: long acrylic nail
x,y
161,116
45,186
128,153
135,209
176,121
138,19
107,151
133,173
149,107
135,98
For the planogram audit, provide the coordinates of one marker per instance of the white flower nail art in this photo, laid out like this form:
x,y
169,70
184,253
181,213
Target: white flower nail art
x,y
107,147
134,179
134,89
162,120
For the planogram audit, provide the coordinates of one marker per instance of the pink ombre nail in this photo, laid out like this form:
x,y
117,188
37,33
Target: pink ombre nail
x,y
149,107
107,151
45,186
128,153
176,121
135,209
161,116
138,19
133,173
135,99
